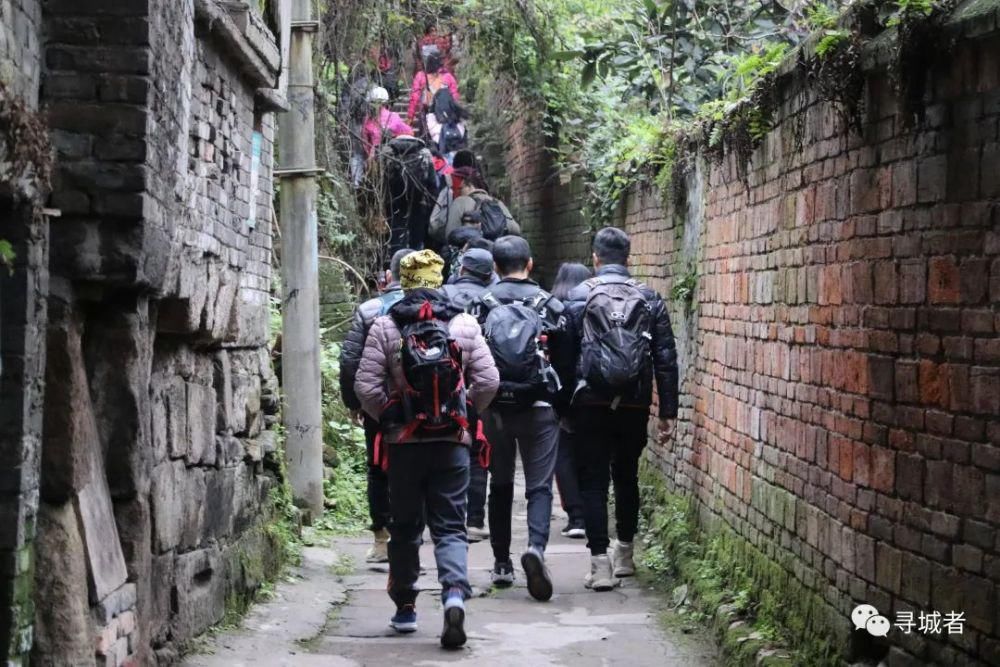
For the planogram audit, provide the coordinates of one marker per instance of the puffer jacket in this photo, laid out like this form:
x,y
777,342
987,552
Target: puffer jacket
x,y
354,341
380,374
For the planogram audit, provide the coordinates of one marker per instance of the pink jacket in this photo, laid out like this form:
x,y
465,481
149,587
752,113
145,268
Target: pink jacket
x,y
387,120
381,372
420,87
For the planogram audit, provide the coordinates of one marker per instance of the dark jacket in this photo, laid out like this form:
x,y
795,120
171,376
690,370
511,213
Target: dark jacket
x,y
464,293
553,313
354,342
664,352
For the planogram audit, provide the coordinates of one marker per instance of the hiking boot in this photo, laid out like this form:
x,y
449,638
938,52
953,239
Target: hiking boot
x,y
621,559
599,578
405,619
379,551
478,533
453,634
575,530
502,575
539,579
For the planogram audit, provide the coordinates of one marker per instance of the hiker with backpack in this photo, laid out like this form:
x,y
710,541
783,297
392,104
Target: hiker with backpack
x,y
495,220
444,124
410,186
474,277
381,120
425,374
425,86
434,43
570,275
463,163
350,358
522,324
623,343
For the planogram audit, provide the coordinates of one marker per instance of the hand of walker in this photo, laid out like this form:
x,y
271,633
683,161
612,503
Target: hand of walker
x,y
666,430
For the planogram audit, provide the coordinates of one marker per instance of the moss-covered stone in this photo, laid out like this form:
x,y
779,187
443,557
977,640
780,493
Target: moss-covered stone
x,y
756,604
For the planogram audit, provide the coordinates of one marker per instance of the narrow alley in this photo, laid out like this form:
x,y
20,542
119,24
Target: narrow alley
x,y
334,612
722,275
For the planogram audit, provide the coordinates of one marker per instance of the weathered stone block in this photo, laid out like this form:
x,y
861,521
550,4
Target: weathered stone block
x,y
106,562
199,589
200,424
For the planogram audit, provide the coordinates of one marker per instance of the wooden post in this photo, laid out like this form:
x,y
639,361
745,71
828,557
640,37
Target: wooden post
x,y
300,345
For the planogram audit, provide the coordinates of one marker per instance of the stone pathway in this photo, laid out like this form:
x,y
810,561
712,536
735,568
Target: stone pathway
x,y
336,612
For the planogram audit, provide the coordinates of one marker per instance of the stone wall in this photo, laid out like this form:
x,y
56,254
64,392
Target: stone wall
x,y
155,424
841,368
22,323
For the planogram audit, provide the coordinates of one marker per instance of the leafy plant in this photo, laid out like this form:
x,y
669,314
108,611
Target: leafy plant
x,y
7,255
684,287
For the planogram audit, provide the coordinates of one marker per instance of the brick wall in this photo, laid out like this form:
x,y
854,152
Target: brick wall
x,y
161,401
22,351
841,363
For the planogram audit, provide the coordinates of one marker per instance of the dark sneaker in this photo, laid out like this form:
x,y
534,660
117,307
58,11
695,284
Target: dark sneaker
x,y
405,619
575,530
539,580
453,634
502,575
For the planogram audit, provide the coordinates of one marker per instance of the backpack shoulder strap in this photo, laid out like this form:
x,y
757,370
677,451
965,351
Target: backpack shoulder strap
x,y
537,301
489,300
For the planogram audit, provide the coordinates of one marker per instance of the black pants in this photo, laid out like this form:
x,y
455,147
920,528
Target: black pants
x,y
477,490
378,482
408,214
436,476
566,477
609,444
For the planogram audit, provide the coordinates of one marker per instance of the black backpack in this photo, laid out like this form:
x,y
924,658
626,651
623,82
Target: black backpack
x,y
617,325
434,399
449,114
494,223
412,162
515,333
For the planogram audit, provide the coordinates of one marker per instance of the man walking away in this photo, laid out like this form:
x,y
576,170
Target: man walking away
x,y
350,357
474,274
425,373
522,323
623,341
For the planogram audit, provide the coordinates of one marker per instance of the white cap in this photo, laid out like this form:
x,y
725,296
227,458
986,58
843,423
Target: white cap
x,y
378,95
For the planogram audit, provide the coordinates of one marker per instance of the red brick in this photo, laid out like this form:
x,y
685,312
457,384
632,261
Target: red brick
x,y
862,463
904,183
881,377
886,289
944,283
985,390
931,178
907,388
933,378
883,469
910,476
974,280
912,281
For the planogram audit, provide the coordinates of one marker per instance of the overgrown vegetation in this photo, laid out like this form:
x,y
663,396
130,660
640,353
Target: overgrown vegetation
x,y
717,577
344,453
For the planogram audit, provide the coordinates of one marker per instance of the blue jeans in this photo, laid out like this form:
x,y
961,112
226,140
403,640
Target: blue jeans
x,y
435,476
535,432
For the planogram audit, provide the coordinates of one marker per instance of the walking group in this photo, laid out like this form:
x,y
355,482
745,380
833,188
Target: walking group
x,y
463,363
454,381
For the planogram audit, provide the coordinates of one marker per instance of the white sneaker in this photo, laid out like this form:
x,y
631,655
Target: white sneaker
x,y
478,533
379,551
599,578
621,559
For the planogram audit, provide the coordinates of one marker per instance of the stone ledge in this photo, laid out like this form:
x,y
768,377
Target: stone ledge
x,y
261,68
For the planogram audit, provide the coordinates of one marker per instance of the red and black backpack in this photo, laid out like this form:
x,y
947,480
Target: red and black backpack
x,y
434,396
